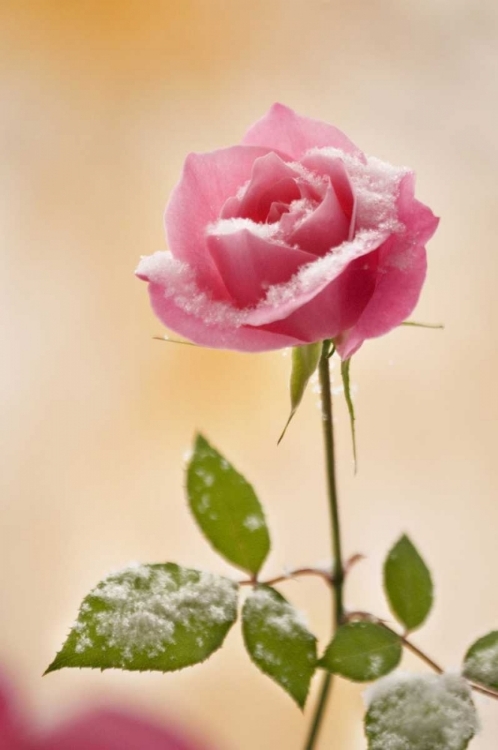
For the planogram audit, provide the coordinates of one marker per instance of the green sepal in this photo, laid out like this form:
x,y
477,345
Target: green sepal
x,y
304,363
226,508
345,365
414,324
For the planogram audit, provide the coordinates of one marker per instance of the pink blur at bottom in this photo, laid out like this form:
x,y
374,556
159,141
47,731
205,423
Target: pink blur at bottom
x,y
98,729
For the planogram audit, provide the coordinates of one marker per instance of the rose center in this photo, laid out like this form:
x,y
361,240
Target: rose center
x,y
299,201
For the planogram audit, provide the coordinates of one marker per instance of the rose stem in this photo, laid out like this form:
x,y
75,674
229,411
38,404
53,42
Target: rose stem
x,y
338,579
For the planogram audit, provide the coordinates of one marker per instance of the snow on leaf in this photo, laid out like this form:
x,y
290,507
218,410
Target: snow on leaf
x,y
278,641
362,651
420,712
481,661
226,508
150,617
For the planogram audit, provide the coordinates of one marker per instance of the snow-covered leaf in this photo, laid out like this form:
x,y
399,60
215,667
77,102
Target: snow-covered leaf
x,y
408,584
150,617
420,712
304,363
362,651
279,642
481,661
226,508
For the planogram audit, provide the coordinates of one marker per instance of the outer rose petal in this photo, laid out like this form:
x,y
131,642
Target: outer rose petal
x,y
206,182
244,338
249,264
283,130
110,730
336,308
395,296
401,274
313,279
175,300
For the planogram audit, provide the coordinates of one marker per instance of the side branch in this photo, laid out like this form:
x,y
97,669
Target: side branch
x,y
293,574
327,577
366,616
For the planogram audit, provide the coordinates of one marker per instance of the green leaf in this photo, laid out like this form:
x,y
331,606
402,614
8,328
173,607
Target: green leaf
x,y
362,651
226,508
408,584
159,617
345,365
278,642
481,661
420,712
304,363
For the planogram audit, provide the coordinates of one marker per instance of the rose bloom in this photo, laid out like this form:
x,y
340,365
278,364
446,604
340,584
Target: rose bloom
x,y
100,729
292,237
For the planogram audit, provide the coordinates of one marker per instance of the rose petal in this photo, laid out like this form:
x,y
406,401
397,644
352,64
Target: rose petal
x,y
182,305
216,336
271,180
325,228
249,264
336,307
277,210
282,300
281,129
179,303
206,182
111,730
401,273
328,166
418,218
395,296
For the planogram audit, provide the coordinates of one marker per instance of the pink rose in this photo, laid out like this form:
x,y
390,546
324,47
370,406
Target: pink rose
x,y
97,730
292,237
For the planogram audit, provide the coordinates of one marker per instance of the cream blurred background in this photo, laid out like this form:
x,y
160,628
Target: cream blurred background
x,y
100,102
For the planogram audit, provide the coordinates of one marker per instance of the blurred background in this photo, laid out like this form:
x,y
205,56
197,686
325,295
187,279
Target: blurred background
x,y
100,101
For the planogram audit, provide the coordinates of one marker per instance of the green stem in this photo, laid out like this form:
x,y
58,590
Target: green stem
x,y
328,435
